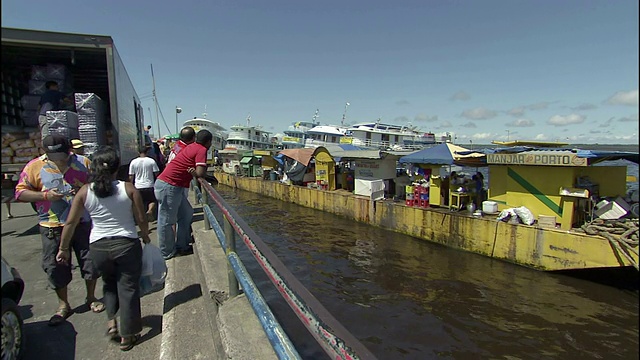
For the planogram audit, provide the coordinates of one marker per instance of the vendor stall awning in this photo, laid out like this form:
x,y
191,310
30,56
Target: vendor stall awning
x,y
445,154
246,160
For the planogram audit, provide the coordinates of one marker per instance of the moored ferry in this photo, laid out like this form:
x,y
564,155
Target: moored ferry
x,y
243,138
379,135
219,132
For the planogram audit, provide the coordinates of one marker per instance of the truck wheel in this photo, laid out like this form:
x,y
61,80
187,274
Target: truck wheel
x,y
12,336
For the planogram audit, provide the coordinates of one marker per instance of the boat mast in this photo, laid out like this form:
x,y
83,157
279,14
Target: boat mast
x,y
344,114
314,118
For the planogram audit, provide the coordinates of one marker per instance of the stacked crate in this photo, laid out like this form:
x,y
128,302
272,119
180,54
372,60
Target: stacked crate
x,y
91,121
63,123
11,92
410,201
421,195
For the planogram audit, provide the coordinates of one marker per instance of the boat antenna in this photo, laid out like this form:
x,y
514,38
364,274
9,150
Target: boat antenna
x,y
344,115
204,114
249,119
315,117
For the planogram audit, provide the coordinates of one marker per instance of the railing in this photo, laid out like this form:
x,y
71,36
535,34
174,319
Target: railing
x,y
334,339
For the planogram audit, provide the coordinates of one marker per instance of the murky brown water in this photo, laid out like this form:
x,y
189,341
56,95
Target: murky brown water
x,y
406,298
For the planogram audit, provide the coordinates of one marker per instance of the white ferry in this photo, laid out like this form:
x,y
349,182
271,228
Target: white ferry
x,y
389,136
295,136
322,135
219,132
243,138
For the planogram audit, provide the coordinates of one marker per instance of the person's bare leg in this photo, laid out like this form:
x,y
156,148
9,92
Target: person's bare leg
x,y
63,300
8,204
91,289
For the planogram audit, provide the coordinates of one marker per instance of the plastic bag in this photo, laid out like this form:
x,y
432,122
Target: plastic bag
x,y
153,265
525,215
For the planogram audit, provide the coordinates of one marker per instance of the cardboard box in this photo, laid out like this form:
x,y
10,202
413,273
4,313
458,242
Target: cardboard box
x,y
545,221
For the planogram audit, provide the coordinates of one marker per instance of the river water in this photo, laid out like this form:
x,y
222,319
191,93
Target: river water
x,y
406,298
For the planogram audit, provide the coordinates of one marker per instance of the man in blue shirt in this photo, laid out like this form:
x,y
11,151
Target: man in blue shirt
x,y
49,101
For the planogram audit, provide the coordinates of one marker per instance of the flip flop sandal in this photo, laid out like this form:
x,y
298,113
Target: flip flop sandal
x,y
96,306
129,342
60,316
112,333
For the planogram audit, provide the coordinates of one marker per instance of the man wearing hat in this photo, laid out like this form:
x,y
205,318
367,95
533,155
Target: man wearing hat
x,y
51,181
77,147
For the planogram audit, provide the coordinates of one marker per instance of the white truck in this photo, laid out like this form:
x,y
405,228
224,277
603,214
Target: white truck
x,y
92,66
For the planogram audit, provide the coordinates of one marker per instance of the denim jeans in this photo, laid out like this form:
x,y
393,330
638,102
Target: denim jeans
x,y
173,209
120,262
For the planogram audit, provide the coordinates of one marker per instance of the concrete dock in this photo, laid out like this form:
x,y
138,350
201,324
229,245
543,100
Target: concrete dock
x,y
191,318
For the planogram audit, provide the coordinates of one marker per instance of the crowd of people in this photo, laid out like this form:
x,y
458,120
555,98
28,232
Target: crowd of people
x,y
83,207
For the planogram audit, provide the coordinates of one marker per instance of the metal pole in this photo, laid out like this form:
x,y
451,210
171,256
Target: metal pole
x,y
176,119
205,201
230,241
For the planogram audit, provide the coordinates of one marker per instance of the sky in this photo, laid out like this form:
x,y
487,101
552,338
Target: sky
x,y
482,70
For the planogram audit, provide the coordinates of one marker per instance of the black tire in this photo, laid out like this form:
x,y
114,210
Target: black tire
x,y
11,314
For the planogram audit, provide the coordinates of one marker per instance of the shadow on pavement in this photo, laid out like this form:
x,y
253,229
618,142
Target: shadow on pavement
x,y
185,295
199,217
45,342
25,311
154,323
34,230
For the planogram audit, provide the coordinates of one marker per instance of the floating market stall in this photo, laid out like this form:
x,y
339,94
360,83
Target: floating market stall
x,y
297,163
433,158
558,185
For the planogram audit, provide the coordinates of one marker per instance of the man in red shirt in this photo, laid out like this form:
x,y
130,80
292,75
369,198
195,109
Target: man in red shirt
x,y
187,136
171,189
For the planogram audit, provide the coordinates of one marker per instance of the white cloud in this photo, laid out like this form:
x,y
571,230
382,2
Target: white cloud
x,y
482,136
479,113
426,118
629,98
633,118
516,111
445,124
460,95
559,120
521,123
541,137
401,119
470,125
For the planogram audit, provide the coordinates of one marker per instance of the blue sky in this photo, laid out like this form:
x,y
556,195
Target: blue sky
x,y
483,70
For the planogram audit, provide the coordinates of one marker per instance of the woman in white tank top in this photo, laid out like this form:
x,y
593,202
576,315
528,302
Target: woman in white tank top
x,y
115,208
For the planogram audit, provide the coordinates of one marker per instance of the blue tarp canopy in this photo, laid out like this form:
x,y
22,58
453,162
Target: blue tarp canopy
x,y
445,154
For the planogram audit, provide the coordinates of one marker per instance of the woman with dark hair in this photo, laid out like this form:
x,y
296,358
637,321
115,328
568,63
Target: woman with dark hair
x,y
115,207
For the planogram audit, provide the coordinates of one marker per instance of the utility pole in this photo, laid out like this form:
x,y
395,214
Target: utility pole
x,y
155,100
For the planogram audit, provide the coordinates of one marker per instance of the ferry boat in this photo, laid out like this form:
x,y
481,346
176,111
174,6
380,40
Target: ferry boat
x,y
243,138
389,136
295,136
322,135
219,133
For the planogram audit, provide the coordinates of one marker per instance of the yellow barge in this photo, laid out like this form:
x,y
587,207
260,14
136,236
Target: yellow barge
x,y
539,248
